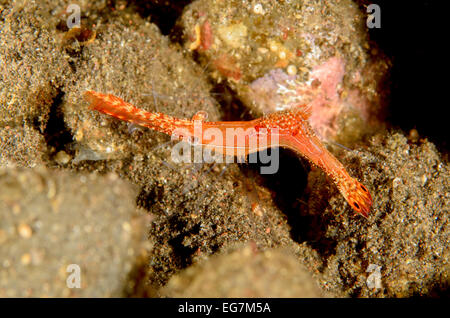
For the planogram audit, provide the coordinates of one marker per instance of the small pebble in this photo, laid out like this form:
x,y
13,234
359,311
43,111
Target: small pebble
x,y
396,182
25,230
413,135
274,46
126,227
424,180
258,8
62,158
292,70
233,35
25,259
263,50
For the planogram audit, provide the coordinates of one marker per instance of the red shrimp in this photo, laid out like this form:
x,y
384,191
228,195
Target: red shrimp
x,y
290,127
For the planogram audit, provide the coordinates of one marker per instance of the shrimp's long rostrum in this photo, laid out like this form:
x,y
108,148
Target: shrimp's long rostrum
x,y
291,129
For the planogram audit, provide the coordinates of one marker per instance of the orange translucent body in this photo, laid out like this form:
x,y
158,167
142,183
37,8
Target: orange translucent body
x,y
291,129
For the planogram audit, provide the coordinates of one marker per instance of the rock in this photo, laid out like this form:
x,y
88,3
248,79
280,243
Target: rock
x,y
258,48
245,273
51,220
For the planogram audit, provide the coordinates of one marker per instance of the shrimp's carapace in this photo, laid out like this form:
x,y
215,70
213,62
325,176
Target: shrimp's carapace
x,y
291,128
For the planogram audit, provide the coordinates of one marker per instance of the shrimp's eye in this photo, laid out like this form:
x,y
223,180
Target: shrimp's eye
x,y
356,205
363,188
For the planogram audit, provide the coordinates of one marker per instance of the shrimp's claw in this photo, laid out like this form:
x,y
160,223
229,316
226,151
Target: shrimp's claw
x,y
357,196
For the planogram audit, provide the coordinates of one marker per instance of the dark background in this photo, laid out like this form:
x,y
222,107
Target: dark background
x,y
414,34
